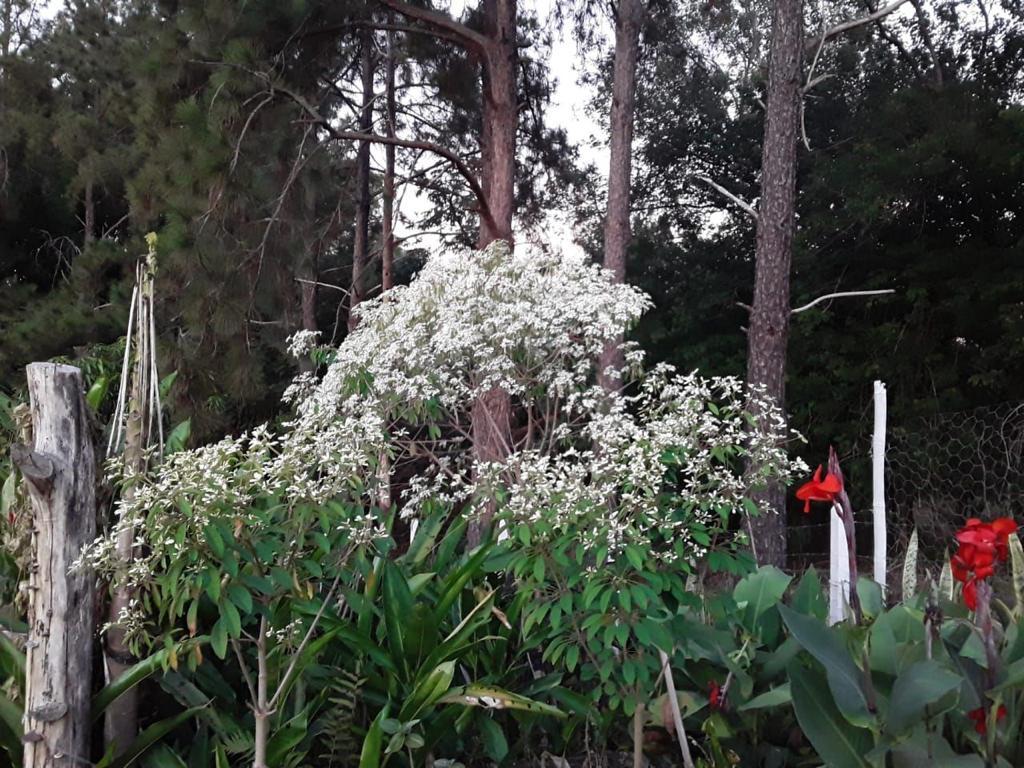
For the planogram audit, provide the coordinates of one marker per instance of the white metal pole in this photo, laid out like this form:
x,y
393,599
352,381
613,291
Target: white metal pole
x,y
878,485
839,569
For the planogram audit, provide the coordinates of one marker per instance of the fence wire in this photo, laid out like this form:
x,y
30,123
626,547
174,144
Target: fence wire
x,y
947,468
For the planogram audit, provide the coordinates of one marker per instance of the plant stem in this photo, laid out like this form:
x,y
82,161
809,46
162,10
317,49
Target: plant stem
x,y
677,716
638,735
261,711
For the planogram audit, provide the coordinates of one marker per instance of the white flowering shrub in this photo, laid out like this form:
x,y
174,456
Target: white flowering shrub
x,y
647,467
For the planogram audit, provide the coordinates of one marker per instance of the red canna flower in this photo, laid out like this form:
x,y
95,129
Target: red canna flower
x,y
819,489
980,718
979,547
971,594
714,695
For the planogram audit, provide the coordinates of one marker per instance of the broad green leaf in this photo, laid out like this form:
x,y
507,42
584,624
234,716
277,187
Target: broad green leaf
x,y
870,594
177,438
838,743
844,676
495,743
489,697
97,392
774,698
398,604
917,691
426,536
809,597
897,640
760,591
131,677
369,756
428,690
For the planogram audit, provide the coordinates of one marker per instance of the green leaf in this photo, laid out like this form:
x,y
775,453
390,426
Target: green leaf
x,y
916,692
152,735
398,602
426,535
131,677
219,638
870,593
760,591
776,697
97,392
844,676
428,690
177,438
493,738
489,697
837,742
369,756
232,620
809,597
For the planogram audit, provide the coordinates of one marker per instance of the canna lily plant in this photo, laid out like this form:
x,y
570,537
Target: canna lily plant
x,y
831,490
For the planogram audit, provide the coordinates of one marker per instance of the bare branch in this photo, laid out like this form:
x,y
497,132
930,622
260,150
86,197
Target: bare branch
x,y
846,26
840,295
747,207
469,38
428,146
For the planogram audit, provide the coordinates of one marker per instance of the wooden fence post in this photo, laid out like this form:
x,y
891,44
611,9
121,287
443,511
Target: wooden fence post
x,y
839,568
878,486
60,471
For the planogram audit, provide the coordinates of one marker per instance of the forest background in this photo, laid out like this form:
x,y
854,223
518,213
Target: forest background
x,y
231,130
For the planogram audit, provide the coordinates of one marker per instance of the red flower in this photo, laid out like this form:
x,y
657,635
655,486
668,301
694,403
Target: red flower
x,y
980,547
818,489
980,718
714,695
971,594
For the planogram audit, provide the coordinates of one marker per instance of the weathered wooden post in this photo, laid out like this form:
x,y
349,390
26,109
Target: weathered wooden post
x,y
60,471
878,487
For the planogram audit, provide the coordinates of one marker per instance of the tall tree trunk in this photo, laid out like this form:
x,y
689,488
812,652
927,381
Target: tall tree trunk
x,y
362,233
500,120
492,411
616,226
768,334
60,472
387,259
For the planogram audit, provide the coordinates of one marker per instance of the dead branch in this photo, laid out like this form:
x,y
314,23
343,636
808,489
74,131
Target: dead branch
x,y
747,207
840,295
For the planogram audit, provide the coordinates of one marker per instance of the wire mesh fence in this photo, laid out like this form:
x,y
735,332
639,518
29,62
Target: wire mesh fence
x,y
939,471
947,468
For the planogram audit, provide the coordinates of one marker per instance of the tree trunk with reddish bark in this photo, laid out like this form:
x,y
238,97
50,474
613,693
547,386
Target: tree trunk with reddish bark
x,y
768,334
360,248
492,412
617,233
387,259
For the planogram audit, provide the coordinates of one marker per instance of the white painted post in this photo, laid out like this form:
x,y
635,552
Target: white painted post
x,y
878,485
839,569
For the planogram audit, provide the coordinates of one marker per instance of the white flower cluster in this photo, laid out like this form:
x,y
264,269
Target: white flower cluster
x,y
401,388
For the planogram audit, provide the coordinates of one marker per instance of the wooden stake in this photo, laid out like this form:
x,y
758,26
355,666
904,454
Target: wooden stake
x,y
60,471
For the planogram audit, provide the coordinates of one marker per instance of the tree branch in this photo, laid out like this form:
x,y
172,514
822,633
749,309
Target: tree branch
x,y
840,295
846,26
747,207
469,38
428,146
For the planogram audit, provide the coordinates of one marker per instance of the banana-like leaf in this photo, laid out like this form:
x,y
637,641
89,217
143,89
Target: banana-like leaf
x,y
489,697
910,568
